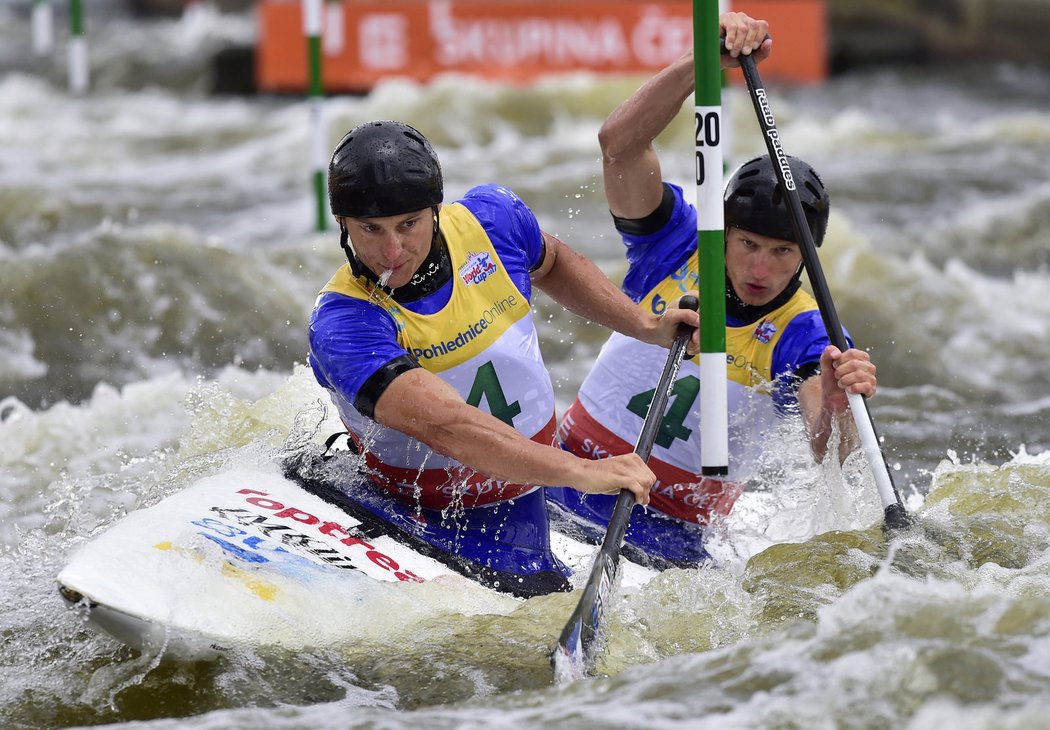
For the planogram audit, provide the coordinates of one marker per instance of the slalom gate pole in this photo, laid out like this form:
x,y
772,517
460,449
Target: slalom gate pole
x,y
710,241
312,12
43,27
78,55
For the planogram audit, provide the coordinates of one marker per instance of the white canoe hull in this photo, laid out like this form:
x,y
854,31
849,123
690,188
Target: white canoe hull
x,y
249,558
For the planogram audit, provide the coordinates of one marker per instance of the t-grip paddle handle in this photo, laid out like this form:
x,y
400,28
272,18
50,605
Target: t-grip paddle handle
x,y
688,301
725,51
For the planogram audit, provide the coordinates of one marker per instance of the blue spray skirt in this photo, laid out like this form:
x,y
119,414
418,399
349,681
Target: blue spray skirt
x,y
652,539
505,546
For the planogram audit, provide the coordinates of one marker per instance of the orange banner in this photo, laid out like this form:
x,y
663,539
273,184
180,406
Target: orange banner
x,y
513,40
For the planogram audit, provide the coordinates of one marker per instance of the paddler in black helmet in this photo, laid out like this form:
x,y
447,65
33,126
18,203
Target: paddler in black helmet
x,y
425,337
780,360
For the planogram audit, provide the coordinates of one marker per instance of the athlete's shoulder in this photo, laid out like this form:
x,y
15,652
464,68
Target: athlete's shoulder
x,y
492,192
336,310
349,340
495,204
804,339
511,226
654,256
805,325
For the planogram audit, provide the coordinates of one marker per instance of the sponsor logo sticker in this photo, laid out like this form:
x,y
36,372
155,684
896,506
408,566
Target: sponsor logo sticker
x,y
764,332
479,267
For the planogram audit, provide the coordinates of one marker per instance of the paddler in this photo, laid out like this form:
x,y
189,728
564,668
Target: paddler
x,y
780,360
426,341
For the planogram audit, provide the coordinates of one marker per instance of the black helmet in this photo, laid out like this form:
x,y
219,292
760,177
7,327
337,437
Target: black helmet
x,y
383,168
755,201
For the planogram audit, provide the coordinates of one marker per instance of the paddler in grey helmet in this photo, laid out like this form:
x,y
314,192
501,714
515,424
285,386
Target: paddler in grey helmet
x,y
780,360
425,337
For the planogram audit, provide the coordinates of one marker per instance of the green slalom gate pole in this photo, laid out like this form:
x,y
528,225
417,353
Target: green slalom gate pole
x,y
710,238
78,55
43,27
312,11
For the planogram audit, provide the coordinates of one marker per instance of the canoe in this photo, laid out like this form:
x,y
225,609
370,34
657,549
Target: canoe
x,y
303,554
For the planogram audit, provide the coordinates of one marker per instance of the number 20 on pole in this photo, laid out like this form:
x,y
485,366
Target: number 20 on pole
x,y
708,134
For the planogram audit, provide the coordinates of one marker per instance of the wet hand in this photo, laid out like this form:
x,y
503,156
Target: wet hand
x,y
744,36
668,323
851,371
610,475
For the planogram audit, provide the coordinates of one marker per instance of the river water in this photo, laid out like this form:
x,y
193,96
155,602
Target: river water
x,y
158,269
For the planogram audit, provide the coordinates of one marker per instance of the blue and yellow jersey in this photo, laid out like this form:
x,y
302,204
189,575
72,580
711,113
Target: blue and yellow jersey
x,y
763,357
476,333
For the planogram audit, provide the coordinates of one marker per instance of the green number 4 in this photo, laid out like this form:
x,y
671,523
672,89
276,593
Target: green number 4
x,y
486,385
672,425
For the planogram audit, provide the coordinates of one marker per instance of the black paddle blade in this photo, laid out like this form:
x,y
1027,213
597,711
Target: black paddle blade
x,y
896,517
580,640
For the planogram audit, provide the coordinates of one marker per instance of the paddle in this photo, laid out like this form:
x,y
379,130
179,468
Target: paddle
x,y
580,640
895,514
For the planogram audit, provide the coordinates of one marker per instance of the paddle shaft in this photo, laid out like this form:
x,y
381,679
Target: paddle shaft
x,y
578,643
895,514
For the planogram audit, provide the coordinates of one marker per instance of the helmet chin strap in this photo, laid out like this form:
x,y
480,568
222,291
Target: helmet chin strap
x,y
356,267
428,268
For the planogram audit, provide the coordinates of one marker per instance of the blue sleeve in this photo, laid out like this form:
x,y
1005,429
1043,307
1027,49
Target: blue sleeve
x,y
802,343
652,257
513,229
350,340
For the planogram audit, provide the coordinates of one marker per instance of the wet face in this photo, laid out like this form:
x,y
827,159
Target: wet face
x,y
759,267
398,244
